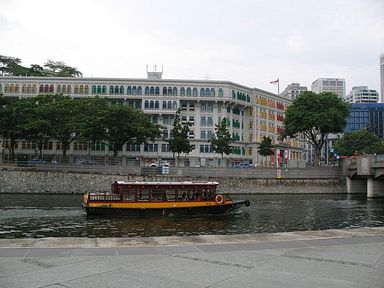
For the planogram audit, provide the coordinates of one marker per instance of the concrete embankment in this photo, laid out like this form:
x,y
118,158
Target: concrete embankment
x,y
20,181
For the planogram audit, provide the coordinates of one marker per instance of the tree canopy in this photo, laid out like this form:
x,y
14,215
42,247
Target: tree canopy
x,y
179,142
11,66
265,147
315,116
45,117
359,142
221,139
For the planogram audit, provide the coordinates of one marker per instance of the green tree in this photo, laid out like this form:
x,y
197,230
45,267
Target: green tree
x,y
265,148
59,69
179,142
315,116
221,140
12,119
359,142
64,115
125,124
38,127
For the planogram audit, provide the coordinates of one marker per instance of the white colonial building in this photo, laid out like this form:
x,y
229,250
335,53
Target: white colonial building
x,y
251,113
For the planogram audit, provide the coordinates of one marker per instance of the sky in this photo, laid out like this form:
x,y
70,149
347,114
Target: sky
x,y
249,42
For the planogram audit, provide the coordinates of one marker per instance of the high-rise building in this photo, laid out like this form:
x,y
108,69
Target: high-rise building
x,y
293,90
335,85
382,77
366,116
361,94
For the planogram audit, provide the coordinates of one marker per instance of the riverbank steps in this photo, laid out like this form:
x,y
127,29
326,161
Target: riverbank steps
x,y
12,181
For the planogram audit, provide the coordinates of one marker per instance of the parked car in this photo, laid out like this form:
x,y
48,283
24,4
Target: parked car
x,y
37,162
86,162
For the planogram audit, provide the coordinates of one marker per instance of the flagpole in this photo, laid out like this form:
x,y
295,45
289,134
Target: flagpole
x,y
278,86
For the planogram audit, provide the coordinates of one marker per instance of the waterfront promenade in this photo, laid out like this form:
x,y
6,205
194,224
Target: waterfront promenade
x,y
327,258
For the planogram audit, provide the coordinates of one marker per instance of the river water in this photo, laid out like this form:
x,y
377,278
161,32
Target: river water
x,y
40,215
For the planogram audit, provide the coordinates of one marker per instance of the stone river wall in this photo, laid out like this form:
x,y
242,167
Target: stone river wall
x,y
13,181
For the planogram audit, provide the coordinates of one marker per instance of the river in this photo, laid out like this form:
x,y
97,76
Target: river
x,y
41,215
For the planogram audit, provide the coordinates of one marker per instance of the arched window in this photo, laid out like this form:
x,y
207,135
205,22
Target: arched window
x,y
81,89
165,91
41,88
169,106
17,88
76,89
6,88
86,89
156,104
170,91
94,89
129,90
174,91
213,92
202,92
1,89
29,89
139,90
151,105
146,90
69,89
64,89
189,92
104,89
121,90
182,91
152,91
110,89
34,88
195,92
164,105
98,89
174,105
221,93
116,89
46,88
207,92
146,104
24,88
51,88
157,91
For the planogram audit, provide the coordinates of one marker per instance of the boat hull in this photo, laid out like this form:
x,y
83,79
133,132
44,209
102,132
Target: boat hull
x,y
221,209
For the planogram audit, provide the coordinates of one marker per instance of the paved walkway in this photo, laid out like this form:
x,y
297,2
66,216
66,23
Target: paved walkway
x,y
330,258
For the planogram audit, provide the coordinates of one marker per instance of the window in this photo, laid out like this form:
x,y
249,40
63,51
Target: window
x,y
202,92
194,92
170,91
129,90
151,104
209,135
152,91
203,121
174,91
192,119
191,134
104,90
189,92
146,90
184,119
169,105
157,91
133,147
191,107
184,107
174,104
164,90
146,104
182,91
110,89
203,134
139,90
213,92
165,148
157,105
207,92
205,149
209,121
150,147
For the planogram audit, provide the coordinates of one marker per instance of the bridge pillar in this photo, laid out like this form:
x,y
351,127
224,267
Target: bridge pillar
x,y
375,188
356,185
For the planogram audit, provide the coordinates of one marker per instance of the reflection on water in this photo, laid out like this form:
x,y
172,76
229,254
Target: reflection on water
x,y
35,216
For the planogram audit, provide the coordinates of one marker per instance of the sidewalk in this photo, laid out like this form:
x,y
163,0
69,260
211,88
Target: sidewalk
x,y
330,258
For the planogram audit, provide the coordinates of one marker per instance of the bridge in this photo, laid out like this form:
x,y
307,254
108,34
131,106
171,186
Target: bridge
x,y
366,174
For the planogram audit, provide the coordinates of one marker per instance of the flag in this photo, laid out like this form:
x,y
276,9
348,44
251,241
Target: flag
x,y
274,82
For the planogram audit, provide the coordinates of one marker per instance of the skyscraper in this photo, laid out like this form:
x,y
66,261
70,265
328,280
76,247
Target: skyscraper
x,y
335,85
361,94
382,77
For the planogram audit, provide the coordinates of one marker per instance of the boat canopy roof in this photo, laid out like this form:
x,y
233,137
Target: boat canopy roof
x,y
182,183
